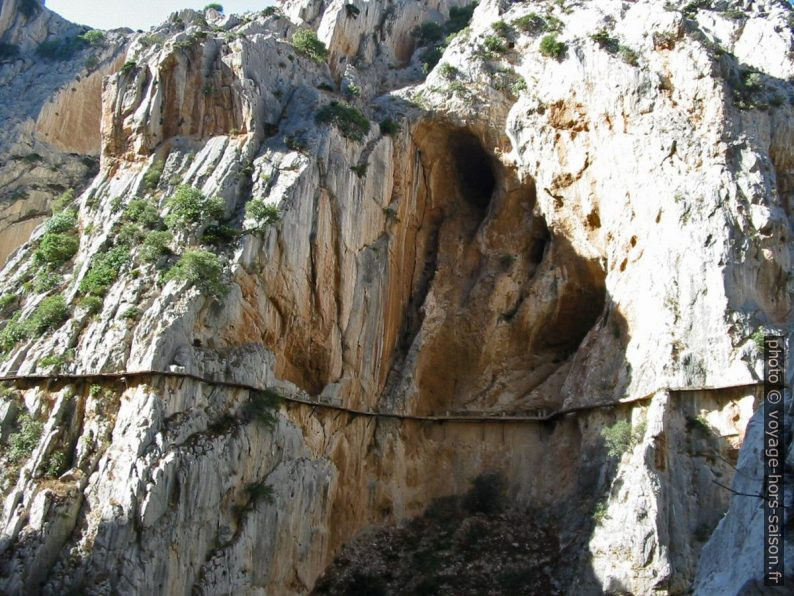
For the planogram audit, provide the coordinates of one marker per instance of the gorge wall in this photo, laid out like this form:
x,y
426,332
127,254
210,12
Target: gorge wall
x,y
522,242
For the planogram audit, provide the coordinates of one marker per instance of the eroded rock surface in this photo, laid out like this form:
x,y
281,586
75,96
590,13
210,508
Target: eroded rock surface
x,y
590,234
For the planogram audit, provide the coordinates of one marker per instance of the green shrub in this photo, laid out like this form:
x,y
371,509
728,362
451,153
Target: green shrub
x,y
155,245
459,17
7,300
428,32
63,201
350,121
93,37
735,14
352,90
45,281
758,340
259,491
92,304
214,6
219,234
128,67
133,313
263,407
62,222
552,48
600,512
628,55
389,127
493,44
531,23
189,206
12,333
95,390
359,170
262,213
429,57
54,361
22,443
502,29
8,51
305,42
487,494
605,41
352,10
55,465
129,234
55,249
202,269
143,213
51,313
620,437
104,271
448,71
152,177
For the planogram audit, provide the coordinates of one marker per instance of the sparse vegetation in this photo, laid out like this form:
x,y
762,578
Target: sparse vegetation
x,y
262,213
448,71
214,6
53,361
133,313
389,127
22,443
428,32
63,201
45,281
436,37
605,41
263,407
305,41
552,48
189,206
493,44
349,120
92,304
620,437
128,67
7,300
104,271
55,464
55,249
352,10
155,244
142,213
600,512
93,37
531,23
259,491
628,55
152,177
202,269
758,339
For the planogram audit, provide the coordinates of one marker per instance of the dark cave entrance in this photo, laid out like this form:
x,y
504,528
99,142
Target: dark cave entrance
x,y
474,169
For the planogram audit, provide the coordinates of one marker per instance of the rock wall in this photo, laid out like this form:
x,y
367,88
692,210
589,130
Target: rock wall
x,y
51,110
602,233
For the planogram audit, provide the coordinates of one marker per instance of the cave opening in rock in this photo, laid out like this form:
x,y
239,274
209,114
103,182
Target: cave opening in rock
x,y
473,169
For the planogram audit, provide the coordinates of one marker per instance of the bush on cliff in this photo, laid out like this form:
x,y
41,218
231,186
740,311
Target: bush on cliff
x,y
306,42
350,121
202,269
189,206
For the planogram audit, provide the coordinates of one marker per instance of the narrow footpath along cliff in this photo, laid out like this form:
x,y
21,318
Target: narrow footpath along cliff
x,y
344,259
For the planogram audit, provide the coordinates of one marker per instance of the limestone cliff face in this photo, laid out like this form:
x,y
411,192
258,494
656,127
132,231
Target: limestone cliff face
x,y
50,108
545,236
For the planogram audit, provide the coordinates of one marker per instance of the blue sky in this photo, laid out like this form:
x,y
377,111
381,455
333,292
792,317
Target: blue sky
x,y
137,14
